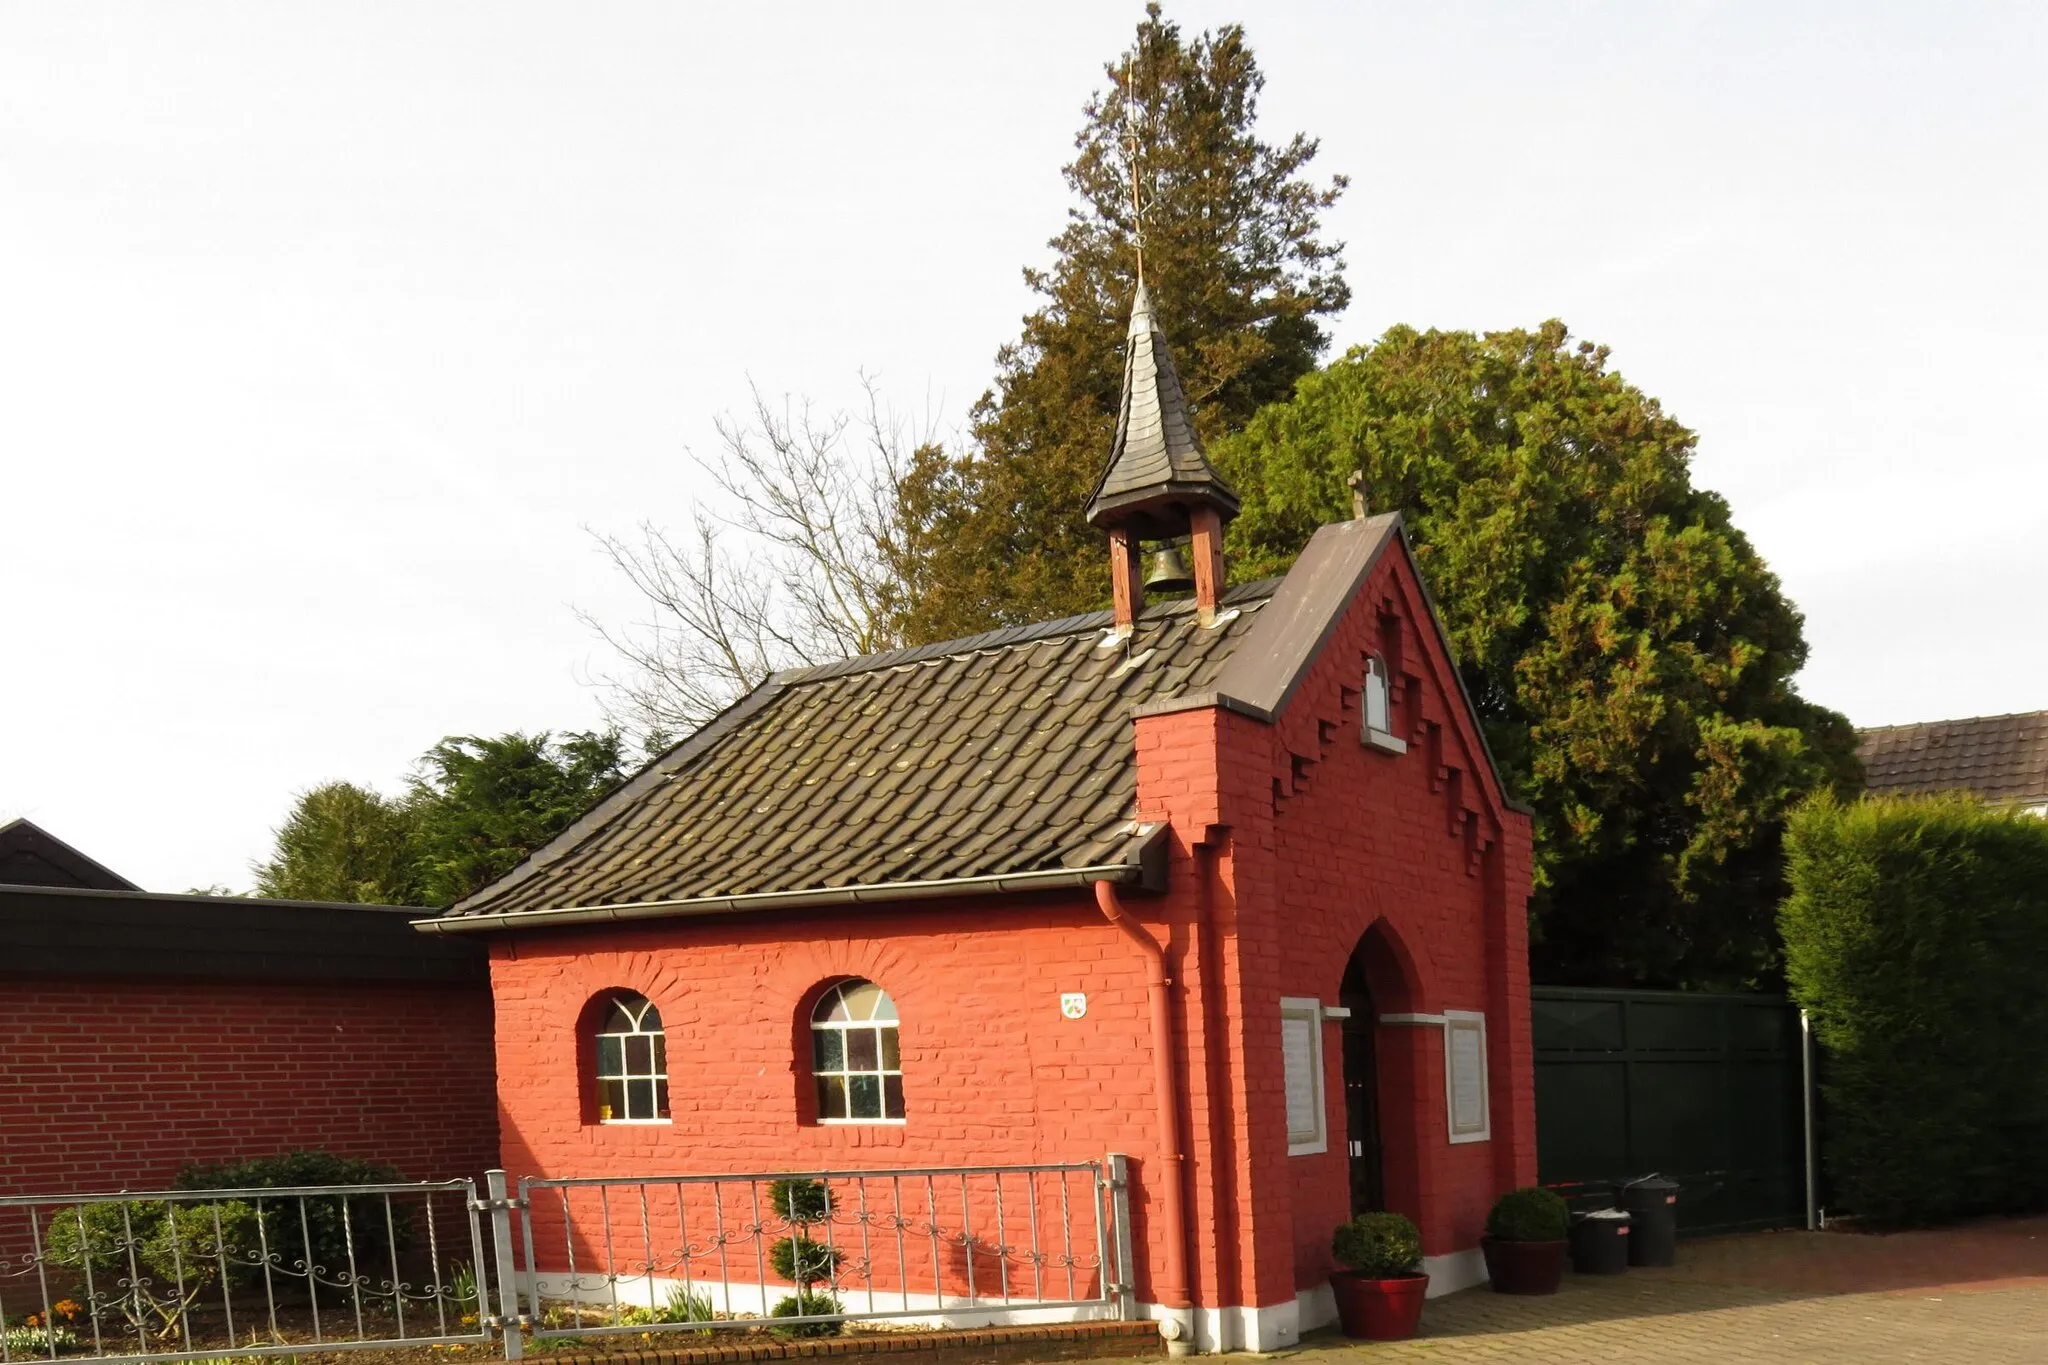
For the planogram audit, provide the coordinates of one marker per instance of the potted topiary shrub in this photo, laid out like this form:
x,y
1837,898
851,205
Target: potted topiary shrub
x,y
1526,1237
1379,1292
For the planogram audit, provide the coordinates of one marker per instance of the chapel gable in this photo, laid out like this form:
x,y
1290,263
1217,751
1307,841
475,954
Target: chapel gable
x,y
1387,681
1349,652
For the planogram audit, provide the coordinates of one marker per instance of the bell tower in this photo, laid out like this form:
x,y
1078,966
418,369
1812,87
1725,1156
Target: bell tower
x,y
1158,484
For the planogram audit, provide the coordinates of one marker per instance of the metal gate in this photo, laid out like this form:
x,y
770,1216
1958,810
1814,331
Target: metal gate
x,y
1703,1089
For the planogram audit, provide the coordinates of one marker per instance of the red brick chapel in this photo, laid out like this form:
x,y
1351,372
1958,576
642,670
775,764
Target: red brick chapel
x,y
1227,883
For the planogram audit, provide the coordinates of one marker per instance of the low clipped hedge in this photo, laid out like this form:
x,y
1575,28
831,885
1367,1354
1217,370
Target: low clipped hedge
x,y
1379,1246
318,1235
1916,938
1530,1214
810,1303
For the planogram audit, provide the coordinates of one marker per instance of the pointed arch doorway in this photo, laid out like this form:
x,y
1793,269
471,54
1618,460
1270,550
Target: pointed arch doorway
x,y
1363,1147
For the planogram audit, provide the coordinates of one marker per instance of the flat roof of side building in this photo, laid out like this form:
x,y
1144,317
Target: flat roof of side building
x,y
93,931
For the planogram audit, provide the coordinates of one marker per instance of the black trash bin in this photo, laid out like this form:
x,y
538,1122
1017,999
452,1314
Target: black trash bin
x,y
1652,1203
1600,1242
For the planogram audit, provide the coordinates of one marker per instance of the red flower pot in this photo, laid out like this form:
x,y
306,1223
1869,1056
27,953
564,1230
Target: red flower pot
x,y
1523,1267
1378,1310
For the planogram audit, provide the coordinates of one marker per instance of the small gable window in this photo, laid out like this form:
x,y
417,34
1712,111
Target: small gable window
x,y
1379,708
855,1057
632,1062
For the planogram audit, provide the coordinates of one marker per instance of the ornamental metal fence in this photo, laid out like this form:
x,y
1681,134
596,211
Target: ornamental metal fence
x,y
169,1275
178,1275
804,1252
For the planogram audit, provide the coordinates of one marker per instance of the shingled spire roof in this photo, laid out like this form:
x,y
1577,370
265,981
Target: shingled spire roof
x,y
1157,469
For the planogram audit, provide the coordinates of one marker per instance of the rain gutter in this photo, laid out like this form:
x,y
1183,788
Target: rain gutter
x,y
997,884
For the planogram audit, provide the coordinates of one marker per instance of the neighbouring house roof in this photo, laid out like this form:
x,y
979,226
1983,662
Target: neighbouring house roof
x,y
32,856
1156,459
2002,759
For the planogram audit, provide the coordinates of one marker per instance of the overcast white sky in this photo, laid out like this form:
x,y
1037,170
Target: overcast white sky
x,y
325,330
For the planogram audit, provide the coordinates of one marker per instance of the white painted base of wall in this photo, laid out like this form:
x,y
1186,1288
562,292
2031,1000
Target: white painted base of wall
x,y
1267,1327
1278,1326
1271,1328
1459,1270
748,1299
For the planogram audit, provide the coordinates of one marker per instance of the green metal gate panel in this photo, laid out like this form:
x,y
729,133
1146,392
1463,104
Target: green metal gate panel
x,y
1704,1089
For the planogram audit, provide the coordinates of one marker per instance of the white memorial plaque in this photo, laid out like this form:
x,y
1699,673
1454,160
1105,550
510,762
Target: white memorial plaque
x,y
1298,1044
1301,1065
1465,1075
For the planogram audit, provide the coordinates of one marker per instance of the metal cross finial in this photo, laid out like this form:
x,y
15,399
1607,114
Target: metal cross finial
x,y
1131,142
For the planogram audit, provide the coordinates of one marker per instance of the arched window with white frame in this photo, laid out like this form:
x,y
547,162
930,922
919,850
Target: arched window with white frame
x,y
856,1060
1378,708
632,1061
1378,704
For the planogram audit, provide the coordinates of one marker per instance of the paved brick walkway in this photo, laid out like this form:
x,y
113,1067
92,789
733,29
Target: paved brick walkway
x,y
1960,1296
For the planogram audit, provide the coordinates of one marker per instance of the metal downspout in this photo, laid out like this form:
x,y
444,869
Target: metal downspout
x,y
1173,1289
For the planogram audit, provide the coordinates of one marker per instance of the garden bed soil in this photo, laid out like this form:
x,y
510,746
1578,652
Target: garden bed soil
x,y
735,1346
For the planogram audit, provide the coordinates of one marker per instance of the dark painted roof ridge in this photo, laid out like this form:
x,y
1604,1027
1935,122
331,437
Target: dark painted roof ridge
x,y
1949,720
1011,636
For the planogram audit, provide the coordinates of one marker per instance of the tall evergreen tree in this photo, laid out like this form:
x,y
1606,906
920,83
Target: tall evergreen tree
x,y
474,808
1630,654
483,804
1240,278
342,842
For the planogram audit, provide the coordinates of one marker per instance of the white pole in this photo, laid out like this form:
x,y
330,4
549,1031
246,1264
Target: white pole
x,y
1806,1104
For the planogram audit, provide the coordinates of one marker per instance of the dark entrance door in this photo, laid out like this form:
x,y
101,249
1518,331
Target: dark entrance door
x,y
1361,1094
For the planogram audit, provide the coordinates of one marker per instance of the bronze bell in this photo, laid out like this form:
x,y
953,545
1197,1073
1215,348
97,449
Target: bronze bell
x,y
1169,572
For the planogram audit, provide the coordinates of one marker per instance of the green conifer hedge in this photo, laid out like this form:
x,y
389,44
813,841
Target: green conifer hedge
x,y
1916,937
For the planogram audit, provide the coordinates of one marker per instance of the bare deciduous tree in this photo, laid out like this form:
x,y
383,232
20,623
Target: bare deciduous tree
x,y
795,570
